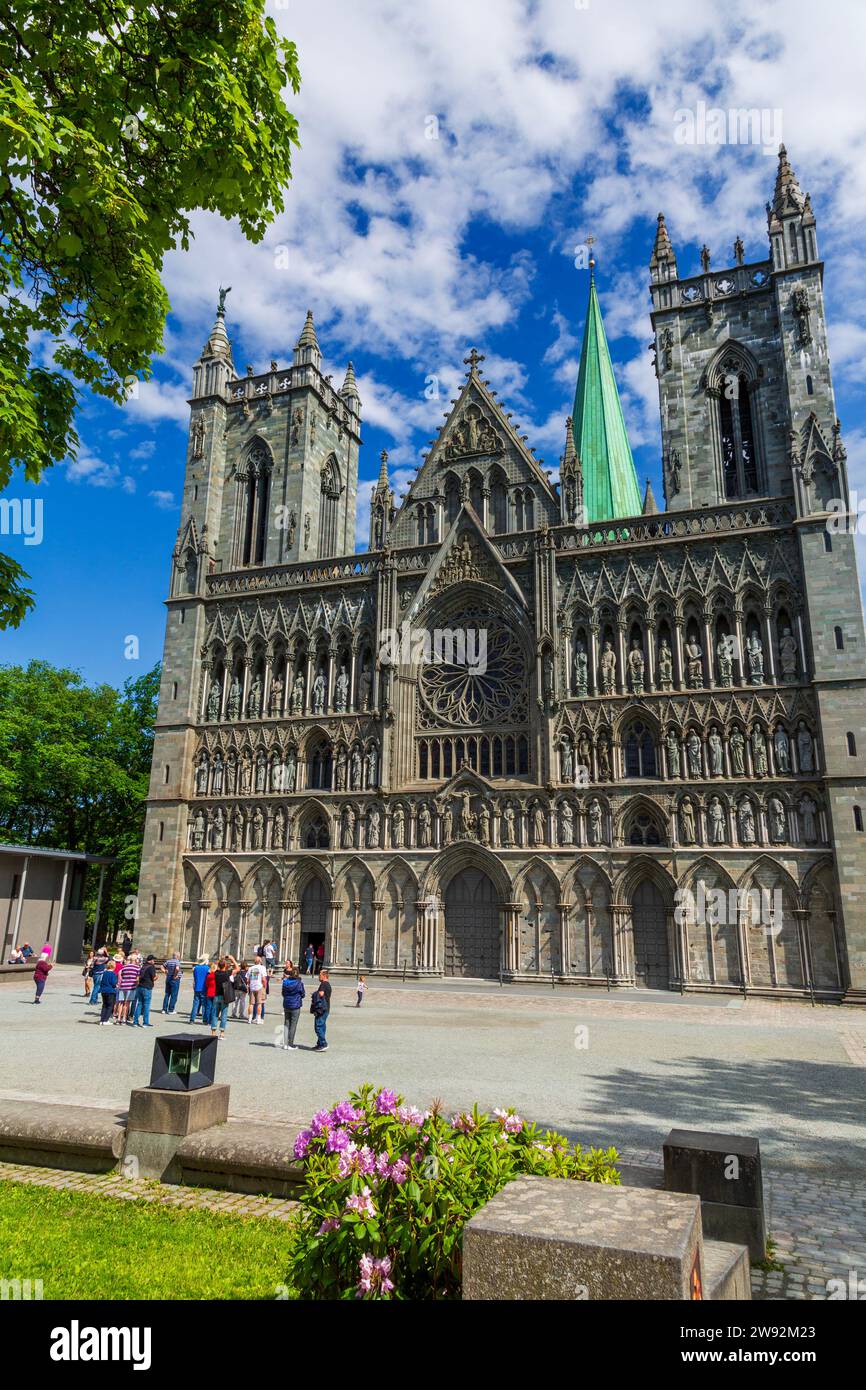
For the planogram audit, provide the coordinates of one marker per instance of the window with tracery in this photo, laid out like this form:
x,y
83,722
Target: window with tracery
x,y
329,504
737,433
256,481
639,752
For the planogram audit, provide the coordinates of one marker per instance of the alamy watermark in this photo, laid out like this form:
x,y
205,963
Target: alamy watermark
x,y
736,125
439,646
22,517
720,907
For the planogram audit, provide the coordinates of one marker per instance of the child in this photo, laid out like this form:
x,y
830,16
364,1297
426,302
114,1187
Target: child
x,y
362,990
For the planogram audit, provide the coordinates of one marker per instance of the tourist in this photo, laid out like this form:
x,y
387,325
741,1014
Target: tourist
x,y
26,951
199,976
144,993
108,995
293,997
320,957
269,952
256,977
40,975
223,997
240,985
126,944
173,974
87,972
321,1007
100,961
362,990
309,957
17,958
210,991
126,987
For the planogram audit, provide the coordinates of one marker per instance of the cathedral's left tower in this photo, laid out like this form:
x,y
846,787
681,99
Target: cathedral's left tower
x,y
271,479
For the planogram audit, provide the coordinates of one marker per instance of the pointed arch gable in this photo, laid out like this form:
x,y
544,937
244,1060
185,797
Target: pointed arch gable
x,y
640,868
585,864
533,865
393,865
462,856
355,865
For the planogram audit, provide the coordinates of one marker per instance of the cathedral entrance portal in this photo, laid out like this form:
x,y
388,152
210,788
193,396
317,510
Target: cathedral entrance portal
x,y
472,926
650,932
314,916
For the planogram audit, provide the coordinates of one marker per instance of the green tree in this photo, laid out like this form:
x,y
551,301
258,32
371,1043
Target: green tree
x,y
74,770
116,122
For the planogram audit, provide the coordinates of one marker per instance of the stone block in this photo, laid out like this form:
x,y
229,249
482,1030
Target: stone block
x,y
725,1172
727,1275
177,1112
550,1238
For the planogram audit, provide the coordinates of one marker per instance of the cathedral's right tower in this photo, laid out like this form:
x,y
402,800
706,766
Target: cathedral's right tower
x,y
748,412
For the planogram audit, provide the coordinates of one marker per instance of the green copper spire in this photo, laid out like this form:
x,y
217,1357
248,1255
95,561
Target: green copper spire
x,y
610,487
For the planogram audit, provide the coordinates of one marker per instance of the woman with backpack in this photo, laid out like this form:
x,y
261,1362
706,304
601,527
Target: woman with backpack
x,y
240,984
223,996
293,998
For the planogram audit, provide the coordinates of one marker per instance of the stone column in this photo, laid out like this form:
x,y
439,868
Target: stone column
x,y
266,683
564,962
242,931
329,688
741,676
743,948
308,688
378,909
332,933
245,685
769,653
353,693
620,915
650,654
593,676
621,679
511,936
709,672
679,678
805,664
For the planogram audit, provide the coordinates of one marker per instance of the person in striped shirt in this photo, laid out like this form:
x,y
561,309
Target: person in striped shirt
x,y
127,986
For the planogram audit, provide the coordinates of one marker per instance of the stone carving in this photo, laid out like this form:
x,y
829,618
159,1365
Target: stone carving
x,y
604,758
213,699
278,833
566,760
473,434
447,823
672,744
233,706
695,664
665,665
372,766
737,745
201,776
788,655
198,831
584,754
238,831
566,824
581,670
398,827
484,822
464,563
714,743
342,769
539,832
277,771
197,437
595,823
258,829
357,769
782,749
291,770
716,814
608,669
275,698
218,833
508,826
319,690
347,832
424,826
777,820
636,668
807,810
342,691
687,821
217,774
254,699
373,830
805,750
724,656
759,752
298,694
246,773
755,654
231,773
365,686
261,771
746,822
693,749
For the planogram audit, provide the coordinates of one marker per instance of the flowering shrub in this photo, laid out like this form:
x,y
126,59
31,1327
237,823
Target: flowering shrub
x,y
389,1188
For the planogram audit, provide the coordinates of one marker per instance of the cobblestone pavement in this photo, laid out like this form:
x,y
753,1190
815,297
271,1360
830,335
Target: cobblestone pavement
x,y
138,1190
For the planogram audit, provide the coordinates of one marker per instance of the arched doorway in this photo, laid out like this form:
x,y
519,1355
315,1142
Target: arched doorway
x,y
314,915
650,933
472,926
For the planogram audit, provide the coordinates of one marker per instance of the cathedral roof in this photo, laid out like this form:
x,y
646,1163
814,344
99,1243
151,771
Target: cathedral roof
x,y
610,486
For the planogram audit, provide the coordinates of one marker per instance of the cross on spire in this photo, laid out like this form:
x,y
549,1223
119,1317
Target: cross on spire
x,y
589,243
473,359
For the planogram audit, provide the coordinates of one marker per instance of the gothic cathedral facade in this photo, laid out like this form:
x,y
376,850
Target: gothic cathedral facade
x,y
537,729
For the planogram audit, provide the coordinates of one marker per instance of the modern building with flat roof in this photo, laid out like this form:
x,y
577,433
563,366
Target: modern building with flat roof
x,y
42,898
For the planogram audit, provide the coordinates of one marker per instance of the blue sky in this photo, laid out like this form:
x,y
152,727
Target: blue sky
x,y
453,160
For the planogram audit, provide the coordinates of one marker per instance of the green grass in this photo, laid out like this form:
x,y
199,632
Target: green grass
x,y
90,1247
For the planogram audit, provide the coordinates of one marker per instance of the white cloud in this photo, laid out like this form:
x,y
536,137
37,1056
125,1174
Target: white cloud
x,y
164,500
87,467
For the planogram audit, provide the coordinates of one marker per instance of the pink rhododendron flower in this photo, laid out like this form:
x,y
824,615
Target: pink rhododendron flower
x,y
355,1160
374,1276
512,1124
399,1171
386,1102
345,1113
464,1123
338,1139
320,1122
302,1143
361,1202
383,1165
410,1115
331,1223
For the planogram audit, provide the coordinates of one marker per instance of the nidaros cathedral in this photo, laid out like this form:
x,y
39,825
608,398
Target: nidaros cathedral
x,y
671,700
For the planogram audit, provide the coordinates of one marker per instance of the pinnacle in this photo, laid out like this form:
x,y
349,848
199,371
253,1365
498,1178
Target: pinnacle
x,y
350,385
650,507
308,337
787,192
663,249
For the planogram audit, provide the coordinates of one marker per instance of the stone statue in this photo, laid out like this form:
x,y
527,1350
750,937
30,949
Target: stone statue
x,y
447,823
547,677
714,743
218,833
231,773
595,822
759,752
348,829
261,772
755,654
246,773
275,698
508,826
746,821
424,821
584,753
372,761
342,691
788,655
687,821
608,669
777,820
807,815
717,822
198,831
258,828
484,823
218,774
737,745
604,758
373,832
693,749
783,750
566,758
805,748
398,827
724,655
342,769
357,769
201,776
365,686
672,744
636,668
566,824
254,700
319,691
291,770
238,831
581,670
213,700
539,833
467,820
233,705
694,664
279,832
277,772
298,693
666,665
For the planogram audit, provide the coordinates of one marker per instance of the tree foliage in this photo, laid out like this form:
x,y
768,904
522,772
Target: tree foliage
x,y
74,769
116,122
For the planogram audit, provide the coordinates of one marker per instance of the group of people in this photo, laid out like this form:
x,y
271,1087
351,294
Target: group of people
x,y
223,987
22,955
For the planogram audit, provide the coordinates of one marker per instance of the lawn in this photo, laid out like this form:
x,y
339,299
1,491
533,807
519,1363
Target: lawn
x,y
84,1246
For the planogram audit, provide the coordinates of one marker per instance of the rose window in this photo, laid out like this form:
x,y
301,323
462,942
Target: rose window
x,y
468,685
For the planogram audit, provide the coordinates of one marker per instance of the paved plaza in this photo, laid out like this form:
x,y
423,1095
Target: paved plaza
x,y
617,1069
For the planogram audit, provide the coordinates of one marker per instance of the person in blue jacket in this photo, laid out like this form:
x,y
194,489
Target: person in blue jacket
x,y
199,998
293,997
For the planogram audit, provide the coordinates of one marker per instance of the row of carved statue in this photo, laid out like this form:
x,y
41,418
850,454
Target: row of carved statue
x,y
354,768
694,753
281,701
694,674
